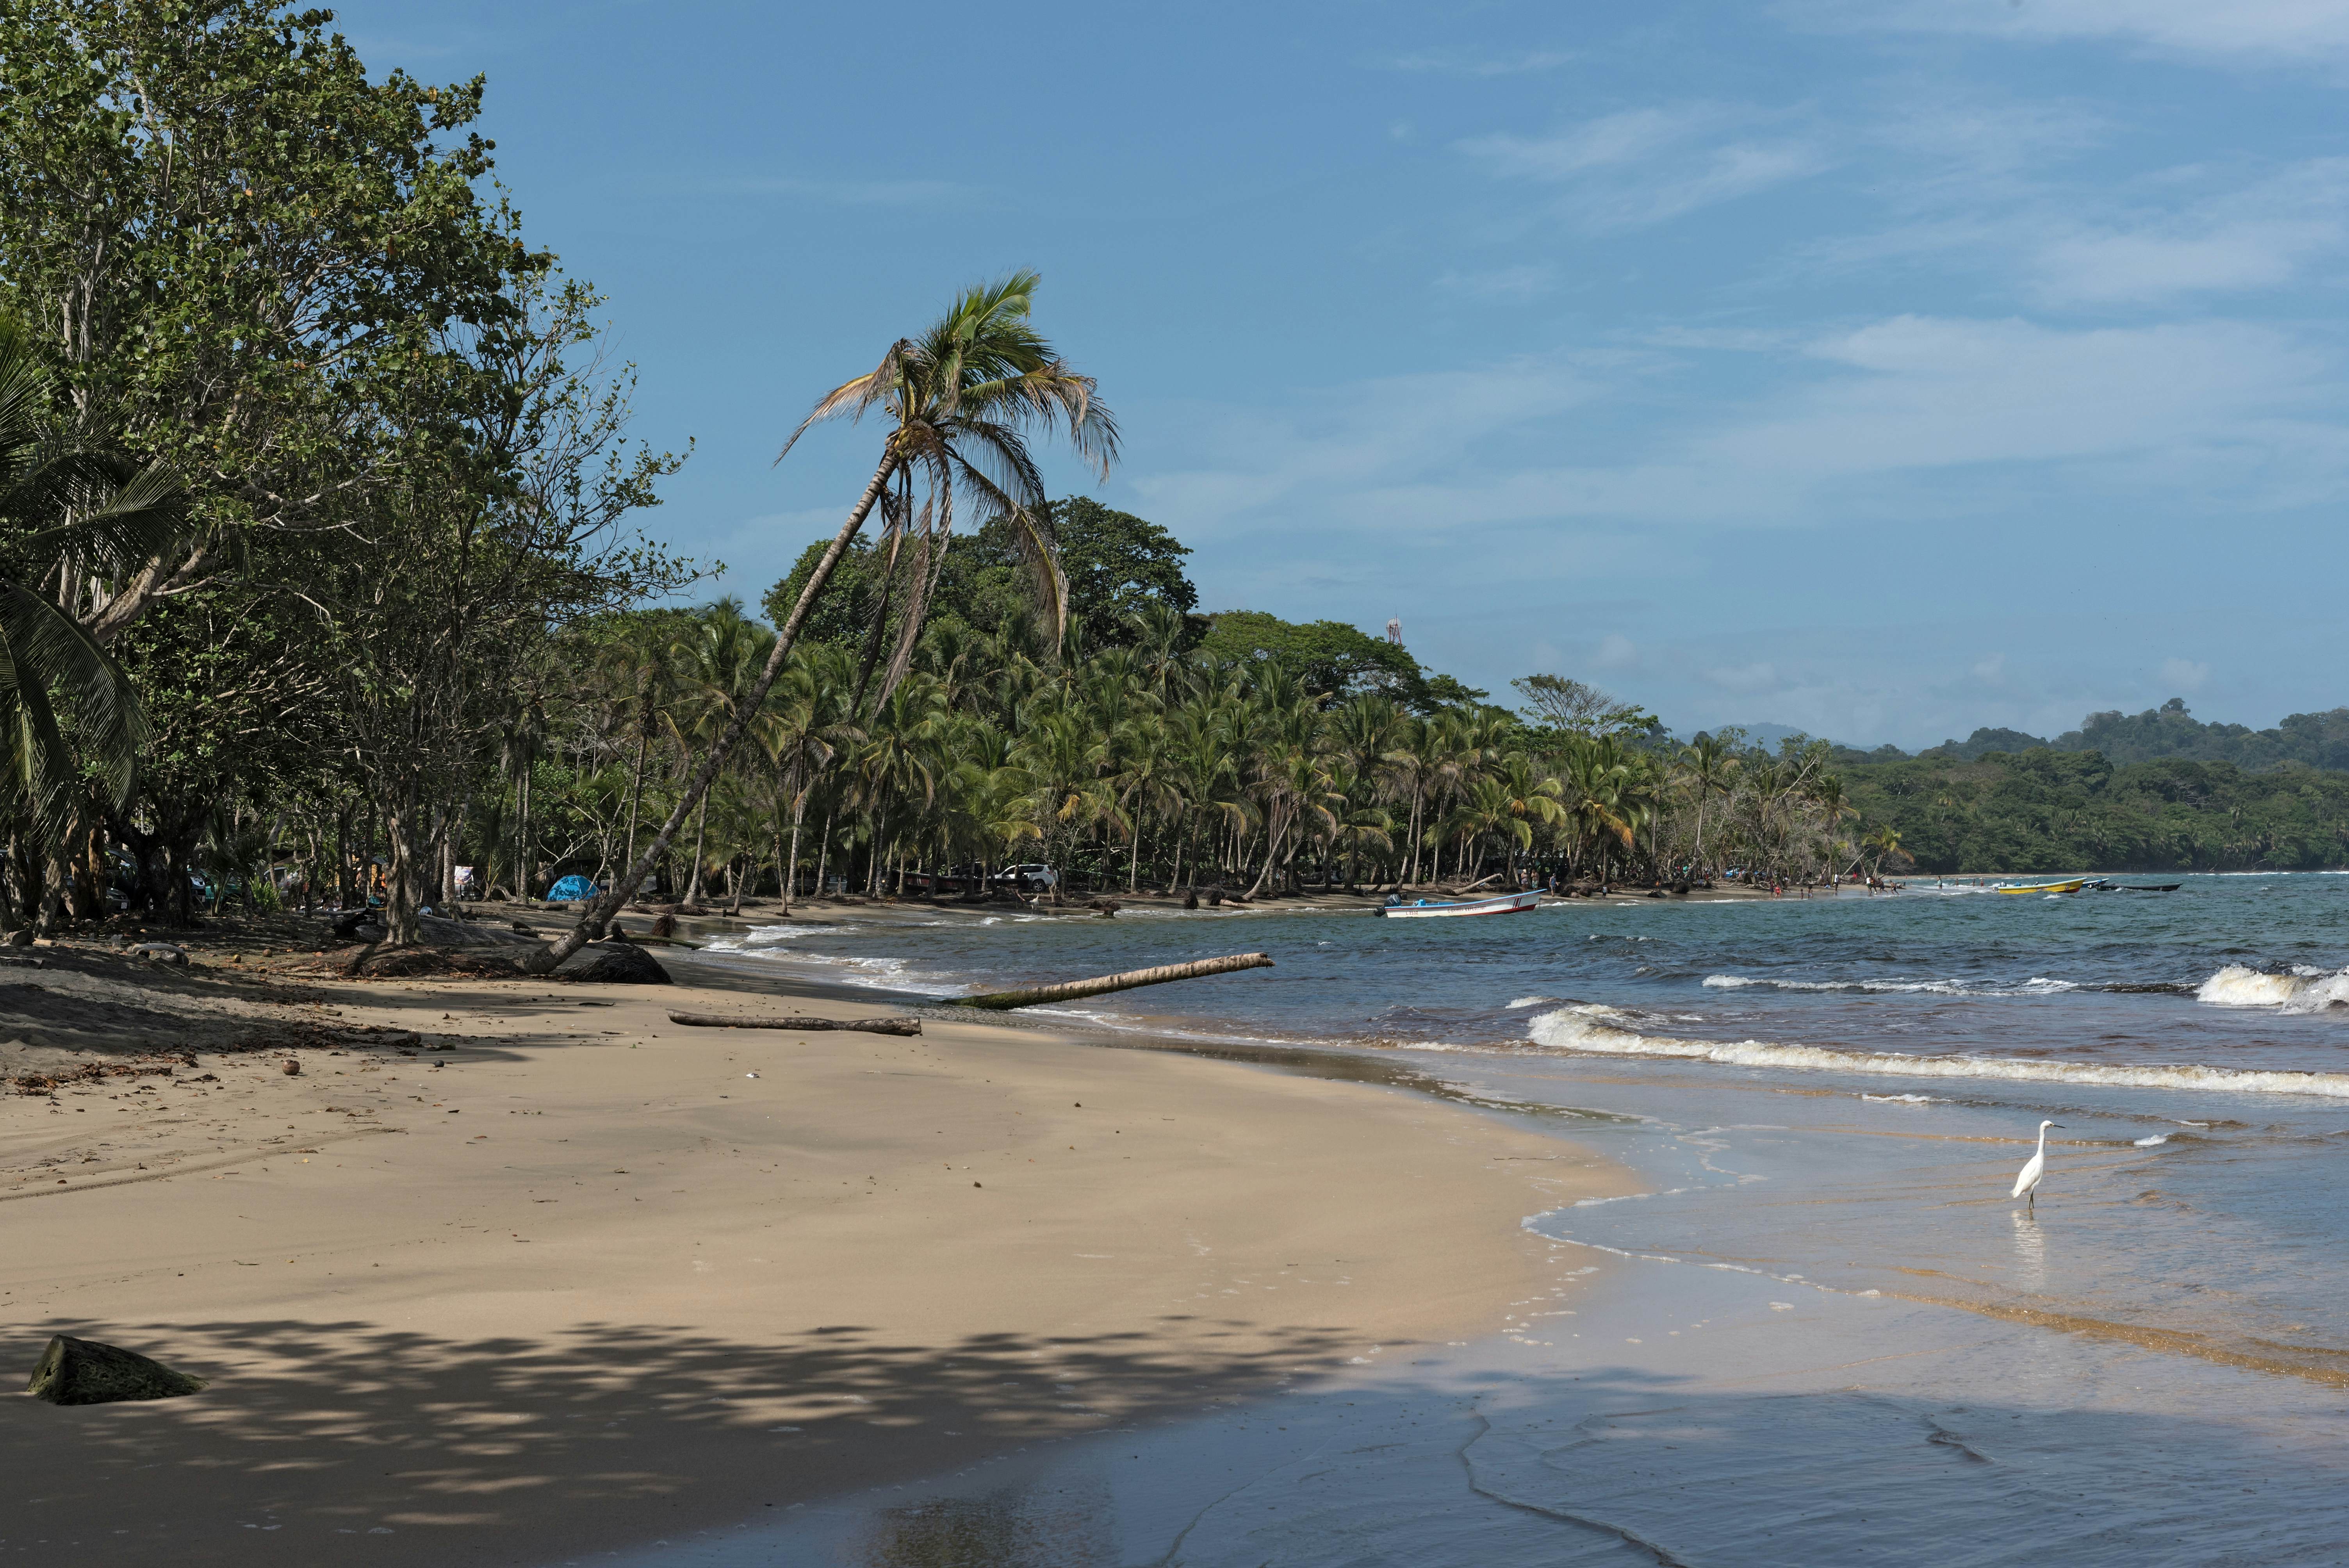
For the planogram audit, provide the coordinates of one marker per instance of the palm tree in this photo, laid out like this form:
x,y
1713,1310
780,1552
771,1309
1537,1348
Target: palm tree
x,y
80,518
1711,766
713,659
965,399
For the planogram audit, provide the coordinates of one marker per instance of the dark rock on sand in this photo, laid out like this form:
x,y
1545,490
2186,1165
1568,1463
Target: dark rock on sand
x,y
84,1372
615,963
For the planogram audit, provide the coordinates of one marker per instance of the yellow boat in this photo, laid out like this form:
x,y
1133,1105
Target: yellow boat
x,y
2075,885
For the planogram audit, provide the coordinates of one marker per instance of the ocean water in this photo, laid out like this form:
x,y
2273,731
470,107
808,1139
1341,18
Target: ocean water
x,y
1826,1101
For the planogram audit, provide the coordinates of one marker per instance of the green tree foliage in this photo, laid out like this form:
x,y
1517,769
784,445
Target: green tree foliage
x,y
2048,810
1331,658
1114,564
2310,739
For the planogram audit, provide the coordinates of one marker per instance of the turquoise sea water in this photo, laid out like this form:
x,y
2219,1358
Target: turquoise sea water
x,y
1825,1101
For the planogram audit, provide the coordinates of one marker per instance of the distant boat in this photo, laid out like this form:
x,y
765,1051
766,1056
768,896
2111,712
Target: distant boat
x,y
2146,887
1507,903
2075,885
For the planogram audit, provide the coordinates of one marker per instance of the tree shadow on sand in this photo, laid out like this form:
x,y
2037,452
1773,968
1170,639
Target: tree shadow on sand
x,y
508,1450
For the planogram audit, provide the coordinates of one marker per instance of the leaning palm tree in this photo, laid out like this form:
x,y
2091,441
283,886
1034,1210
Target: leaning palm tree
x,y
963,400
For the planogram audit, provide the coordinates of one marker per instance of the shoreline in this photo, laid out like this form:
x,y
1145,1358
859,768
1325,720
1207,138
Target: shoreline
x,y
594,1283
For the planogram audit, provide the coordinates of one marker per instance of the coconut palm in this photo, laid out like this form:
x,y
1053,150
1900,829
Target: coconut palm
x,y
963,400
1712,768
77,518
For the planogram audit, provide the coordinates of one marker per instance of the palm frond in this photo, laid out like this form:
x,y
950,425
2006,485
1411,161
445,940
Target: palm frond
x,y
852,397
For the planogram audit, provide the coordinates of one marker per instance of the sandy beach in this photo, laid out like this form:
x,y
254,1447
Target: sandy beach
x,y
509,1270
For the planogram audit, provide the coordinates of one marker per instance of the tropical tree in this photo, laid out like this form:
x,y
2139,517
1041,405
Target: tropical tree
x,y
963,400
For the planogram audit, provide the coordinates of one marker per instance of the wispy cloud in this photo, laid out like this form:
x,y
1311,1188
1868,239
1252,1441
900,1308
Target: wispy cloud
x,y
1647,166
2270,31
1458,62
2258,236
1924,418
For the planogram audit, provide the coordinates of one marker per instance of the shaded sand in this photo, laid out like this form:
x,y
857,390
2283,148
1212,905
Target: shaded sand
x,y
579,1282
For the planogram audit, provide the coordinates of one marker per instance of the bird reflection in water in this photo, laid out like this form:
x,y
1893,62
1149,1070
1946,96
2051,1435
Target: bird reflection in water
x,y
2030,1253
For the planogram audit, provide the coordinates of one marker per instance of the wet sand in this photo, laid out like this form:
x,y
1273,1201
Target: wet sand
x,y
509,1271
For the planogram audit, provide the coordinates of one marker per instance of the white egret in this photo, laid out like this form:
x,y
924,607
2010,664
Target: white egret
x,y
2027,1179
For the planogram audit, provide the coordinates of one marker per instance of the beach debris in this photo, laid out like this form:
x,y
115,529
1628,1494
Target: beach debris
x,y
885,1025
618,964
411,963
89,1072
1001,1001
291,1067
84,1372
160,953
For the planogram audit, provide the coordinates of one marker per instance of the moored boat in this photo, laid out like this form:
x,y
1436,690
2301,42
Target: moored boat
x,y
1506,904
2075,885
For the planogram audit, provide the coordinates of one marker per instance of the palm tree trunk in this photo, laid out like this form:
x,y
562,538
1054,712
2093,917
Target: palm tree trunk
x,y
600,911
700,831
792,876
636,784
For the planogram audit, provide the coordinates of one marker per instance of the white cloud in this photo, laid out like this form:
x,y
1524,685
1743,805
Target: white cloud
x,y
2283,31
2247,237
2184,674
1646,165
1912,419
1617,652
1992,670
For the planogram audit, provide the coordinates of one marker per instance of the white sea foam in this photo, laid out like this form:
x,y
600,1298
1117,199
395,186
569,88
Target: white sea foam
x,y
2155,1141
2302,991
1587,1028
2037,985
1529,1002
1901,1098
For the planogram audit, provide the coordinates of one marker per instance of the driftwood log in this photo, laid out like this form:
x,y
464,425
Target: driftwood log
x,y
897,1026
1001,1001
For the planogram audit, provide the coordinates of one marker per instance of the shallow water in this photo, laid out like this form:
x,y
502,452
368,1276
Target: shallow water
x,y
1827,1099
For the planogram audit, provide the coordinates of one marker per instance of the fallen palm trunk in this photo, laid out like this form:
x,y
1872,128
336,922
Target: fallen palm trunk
x,y
1000,1001
897,1026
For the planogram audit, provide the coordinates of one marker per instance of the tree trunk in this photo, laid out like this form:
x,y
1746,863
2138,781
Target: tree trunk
x,y
636,783
601,909
791,875
700,829
1003,1001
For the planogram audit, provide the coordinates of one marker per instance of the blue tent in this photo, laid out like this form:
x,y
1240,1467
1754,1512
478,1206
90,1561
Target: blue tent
x,y
570,889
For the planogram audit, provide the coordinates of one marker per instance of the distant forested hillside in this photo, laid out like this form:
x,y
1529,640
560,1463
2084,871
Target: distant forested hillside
x,y
2312,739
2045,810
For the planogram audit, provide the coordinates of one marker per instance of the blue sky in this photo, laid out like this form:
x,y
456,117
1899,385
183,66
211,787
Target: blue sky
x,y
1885,369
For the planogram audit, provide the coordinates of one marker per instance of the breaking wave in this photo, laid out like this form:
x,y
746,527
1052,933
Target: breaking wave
x,y
1599,1030
2035,987
2298,991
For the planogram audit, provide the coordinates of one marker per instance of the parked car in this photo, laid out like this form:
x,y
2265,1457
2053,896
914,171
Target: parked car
x,y
1029,879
